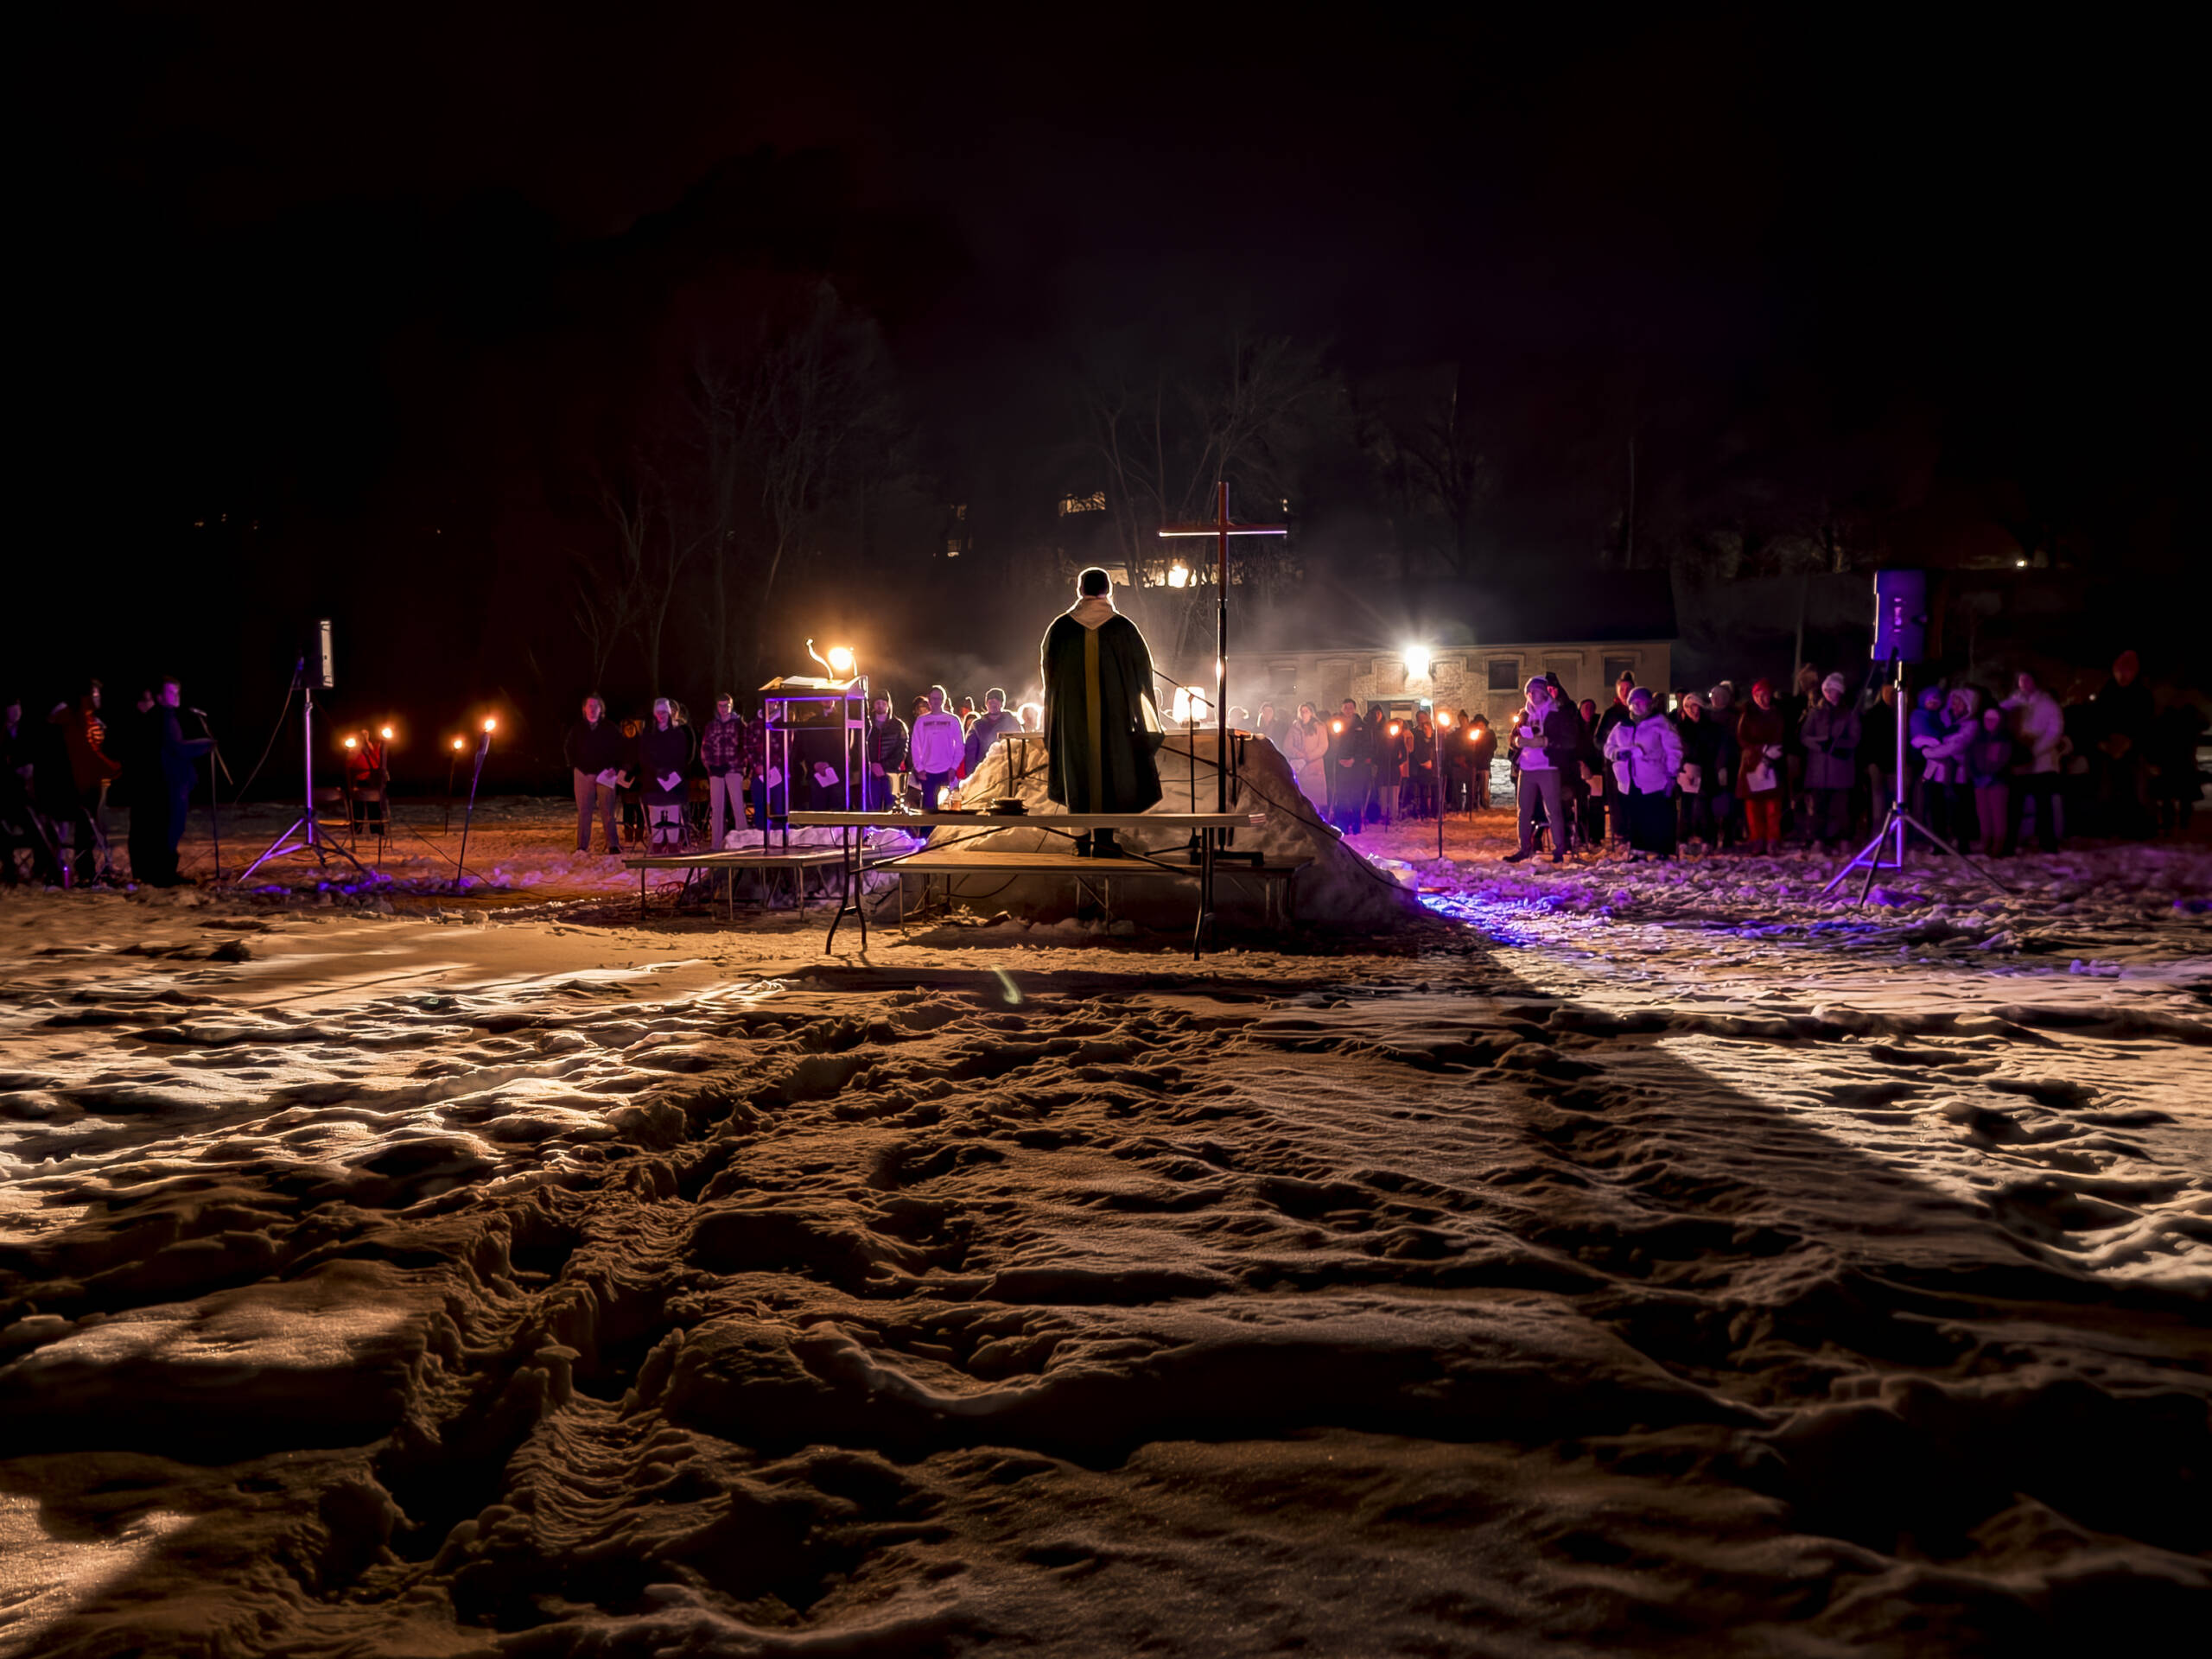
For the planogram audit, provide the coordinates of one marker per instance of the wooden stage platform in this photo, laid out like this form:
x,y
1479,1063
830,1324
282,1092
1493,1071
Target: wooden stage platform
x,y
1209,831
768,861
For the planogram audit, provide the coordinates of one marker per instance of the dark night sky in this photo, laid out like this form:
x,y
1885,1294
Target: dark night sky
x,y
305,272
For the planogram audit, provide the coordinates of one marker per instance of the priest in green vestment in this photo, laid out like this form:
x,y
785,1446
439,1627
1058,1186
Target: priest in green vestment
x,y
1102,723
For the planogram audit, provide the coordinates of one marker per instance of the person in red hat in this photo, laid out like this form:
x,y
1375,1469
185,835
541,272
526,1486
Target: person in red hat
x,y
1759,737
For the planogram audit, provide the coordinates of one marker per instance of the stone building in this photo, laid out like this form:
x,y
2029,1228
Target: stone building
x,y
1484,679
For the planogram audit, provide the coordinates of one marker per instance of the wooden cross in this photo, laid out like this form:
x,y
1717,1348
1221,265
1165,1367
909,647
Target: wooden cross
x,y
1222,530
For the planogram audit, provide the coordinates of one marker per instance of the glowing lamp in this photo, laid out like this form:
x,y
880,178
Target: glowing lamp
x,y
1394,728
841,659
490,724
456,744
1336,725
349,742
1178,575
385,732
1416,662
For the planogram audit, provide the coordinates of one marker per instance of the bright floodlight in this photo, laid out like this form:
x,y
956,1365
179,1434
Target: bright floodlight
x,y
841,659
1416,662
1178,575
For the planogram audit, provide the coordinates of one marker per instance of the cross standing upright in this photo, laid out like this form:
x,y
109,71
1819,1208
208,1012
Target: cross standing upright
x,y
1222,530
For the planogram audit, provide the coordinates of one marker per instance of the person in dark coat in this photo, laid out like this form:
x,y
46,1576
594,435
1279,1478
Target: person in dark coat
x,y
597,765
20,826
1351,768
1548,735
1698,782
1103,731
1482,751
179,770
2123,712
1829,736
994,723
887,756
664,760
1878,751
1617,714
1390,744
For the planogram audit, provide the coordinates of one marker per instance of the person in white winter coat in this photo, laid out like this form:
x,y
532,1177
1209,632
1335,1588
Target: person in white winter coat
x,y
1305,746
2040,726
1946,766
1645,752
936,746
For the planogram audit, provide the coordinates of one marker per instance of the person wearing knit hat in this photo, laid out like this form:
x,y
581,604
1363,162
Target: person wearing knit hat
x,y
1699,790
1644,752
1830,734
1759,737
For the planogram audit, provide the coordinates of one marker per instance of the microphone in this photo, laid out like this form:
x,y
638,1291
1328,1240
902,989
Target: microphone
x,y
189,710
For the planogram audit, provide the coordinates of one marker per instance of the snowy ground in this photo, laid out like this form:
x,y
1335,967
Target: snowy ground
x,y
1664,1260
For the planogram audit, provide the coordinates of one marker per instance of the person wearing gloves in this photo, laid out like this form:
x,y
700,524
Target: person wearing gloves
x,y
1645,754
1548,738
1759,775
2040,726
663,755
1830,737
939,745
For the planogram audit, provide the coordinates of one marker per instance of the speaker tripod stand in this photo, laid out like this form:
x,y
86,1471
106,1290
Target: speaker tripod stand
x,y
311,838
1886,849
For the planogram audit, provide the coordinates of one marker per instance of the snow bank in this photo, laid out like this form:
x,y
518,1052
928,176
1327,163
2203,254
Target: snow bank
x,y
1335,888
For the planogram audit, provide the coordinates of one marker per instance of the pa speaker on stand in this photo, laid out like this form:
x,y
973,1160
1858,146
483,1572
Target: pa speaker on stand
x,y
1903,628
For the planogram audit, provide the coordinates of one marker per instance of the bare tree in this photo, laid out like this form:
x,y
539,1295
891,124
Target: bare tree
x,y
1439,479
1167,427
794,427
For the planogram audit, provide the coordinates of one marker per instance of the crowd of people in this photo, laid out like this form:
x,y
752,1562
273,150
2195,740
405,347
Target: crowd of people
x,y
673,783
1984,769
1380,768
60,775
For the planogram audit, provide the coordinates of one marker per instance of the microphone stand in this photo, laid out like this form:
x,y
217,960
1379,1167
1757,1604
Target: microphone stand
x,y
214,806
311,838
